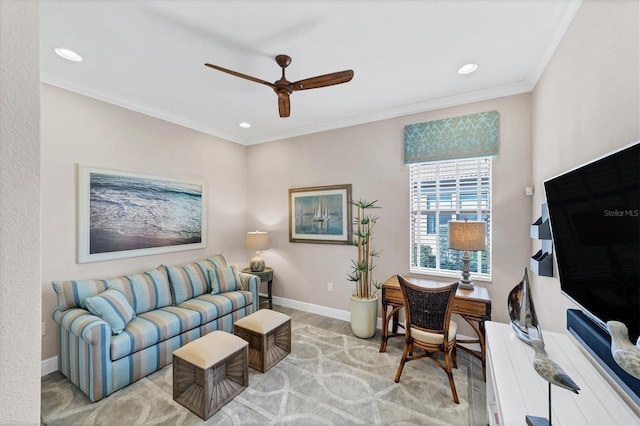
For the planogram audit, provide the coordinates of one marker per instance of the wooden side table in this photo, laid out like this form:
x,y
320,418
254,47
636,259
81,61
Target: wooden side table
x,y
264,275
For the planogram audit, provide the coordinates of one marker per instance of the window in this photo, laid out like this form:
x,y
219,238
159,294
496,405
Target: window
x,y
443,191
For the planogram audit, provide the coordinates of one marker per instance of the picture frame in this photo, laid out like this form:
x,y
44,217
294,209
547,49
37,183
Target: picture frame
x,y
124,214
320,214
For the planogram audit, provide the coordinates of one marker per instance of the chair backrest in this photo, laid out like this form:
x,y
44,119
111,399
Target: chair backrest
x,y
427,308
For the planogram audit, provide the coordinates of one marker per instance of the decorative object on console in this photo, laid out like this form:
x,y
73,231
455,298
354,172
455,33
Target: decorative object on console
x,y
552,373
122,214
364,302
257,241
541,263
522,313
320,214
466,236
625,353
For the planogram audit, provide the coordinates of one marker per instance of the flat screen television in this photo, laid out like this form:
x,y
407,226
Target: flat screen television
x,y
594,213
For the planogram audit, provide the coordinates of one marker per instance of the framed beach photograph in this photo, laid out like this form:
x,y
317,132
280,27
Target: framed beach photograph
x,y
123,214
320,214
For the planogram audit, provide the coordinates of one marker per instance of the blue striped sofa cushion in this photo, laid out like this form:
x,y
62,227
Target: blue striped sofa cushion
x,y
225,279
145,291
218,261
192,280
71,294
152,328
213,306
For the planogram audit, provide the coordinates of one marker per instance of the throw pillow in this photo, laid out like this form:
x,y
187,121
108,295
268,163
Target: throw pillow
x,y
187,282
113,308
225,279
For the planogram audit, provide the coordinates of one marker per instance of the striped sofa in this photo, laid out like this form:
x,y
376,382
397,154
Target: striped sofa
x,y
116,331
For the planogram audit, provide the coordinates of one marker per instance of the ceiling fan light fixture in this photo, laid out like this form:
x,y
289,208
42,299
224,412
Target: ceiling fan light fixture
x,y
467,69
244,125
67,54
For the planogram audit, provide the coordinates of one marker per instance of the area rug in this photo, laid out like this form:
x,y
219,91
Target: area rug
x,y
328,379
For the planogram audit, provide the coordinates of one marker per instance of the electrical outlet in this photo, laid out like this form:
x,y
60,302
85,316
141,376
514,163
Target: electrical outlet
x,y
329,286
43,328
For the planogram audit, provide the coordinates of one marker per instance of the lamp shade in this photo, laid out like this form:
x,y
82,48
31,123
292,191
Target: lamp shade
x,y
467,235
257,240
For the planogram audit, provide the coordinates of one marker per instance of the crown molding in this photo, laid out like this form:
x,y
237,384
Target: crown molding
x,y
137,107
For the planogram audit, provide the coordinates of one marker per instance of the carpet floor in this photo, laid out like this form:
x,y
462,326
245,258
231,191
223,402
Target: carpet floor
x,y
328,379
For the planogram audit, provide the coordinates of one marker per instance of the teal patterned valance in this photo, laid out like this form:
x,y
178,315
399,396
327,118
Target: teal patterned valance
x,y
474,135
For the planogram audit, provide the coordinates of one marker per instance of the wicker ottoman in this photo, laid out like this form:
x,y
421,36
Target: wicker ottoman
x,y
269,335
209,372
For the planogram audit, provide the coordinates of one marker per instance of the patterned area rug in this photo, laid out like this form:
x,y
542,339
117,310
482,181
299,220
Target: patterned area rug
x,y
328,379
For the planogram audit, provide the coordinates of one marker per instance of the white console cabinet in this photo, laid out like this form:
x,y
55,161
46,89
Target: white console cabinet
x,y
514,389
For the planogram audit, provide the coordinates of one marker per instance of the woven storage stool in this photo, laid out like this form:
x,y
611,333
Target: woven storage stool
x,y
209,372
269,335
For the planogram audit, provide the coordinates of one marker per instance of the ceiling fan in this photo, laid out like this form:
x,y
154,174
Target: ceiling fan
x,y
284,88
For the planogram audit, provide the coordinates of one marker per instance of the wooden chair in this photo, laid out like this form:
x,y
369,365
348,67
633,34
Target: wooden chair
x,y
429,326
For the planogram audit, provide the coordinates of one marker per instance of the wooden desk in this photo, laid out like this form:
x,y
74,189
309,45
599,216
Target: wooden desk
x,y
472,305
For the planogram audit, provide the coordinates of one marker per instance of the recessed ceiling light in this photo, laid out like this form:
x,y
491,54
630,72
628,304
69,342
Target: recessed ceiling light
x,y
67,54
467,69
244,125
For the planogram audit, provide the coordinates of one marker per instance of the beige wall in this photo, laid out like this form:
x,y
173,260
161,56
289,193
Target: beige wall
x,y
80,130
19,214
370,157
586,103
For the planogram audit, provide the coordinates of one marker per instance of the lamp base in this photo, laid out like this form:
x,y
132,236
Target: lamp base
x,y
256,263
465,285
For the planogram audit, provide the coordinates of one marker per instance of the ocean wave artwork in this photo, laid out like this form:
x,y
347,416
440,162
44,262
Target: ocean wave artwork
x,y
130,212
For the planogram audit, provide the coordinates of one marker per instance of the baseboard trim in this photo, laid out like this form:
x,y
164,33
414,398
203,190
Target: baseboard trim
x,y
48,366
317,309
311,308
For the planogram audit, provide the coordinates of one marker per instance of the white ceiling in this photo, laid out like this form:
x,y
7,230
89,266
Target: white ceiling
x,y
149,56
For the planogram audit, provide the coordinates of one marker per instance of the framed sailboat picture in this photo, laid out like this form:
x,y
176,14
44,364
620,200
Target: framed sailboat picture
x,y
320,214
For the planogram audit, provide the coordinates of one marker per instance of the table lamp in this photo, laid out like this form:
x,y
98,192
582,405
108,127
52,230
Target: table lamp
x,y
257,241
466,236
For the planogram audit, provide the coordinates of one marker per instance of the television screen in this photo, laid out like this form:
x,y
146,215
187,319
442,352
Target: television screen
x,y
594,212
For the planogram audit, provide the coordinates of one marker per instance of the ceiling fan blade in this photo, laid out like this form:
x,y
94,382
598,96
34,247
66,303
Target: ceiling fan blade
x,y
323,80
284,105
237,74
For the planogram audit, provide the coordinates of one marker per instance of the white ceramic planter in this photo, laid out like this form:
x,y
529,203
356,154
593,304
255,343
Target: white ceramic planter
x,y
364,316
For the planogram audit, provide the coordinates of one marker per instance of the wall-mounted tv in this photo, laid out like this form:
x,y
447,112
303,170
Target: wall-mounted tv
x,y
594,212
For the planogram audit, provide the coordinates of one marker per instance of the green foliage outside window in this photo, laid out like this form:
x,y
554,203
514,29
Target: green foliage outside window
x,y
427,259
452,259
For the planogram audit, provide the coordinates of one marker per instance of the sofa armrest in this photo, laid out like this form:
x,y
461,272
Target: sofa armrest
x,y
85,351
251,282
83,324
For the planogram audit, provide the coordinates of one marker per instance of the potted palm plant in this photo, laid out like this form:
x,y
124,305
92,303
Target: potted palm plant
x,y
364,301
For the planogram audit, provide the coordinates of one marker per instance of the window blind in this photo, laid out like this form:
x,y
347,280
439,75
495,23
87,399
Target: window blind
x,y
443,191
